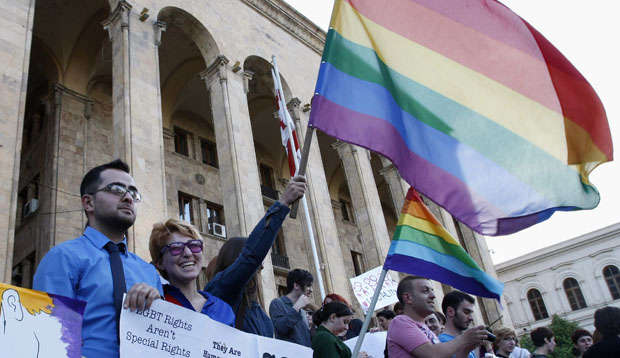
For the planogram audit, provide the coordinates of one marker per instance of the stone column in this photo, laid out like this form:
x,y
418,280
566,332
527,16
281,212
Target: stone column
x,y
18,18
366,202
322,215
397,185
138,136
64,167
243,201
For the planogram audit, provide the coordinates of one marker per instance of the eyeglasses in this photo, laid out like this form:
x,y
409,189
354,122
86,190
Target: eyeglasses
x,y
120,190
177,248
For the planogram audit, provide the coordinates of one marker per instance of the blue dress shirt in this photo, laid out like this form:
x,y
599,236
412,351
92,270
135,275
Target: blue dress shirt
x,y
214,308
229,284
80,269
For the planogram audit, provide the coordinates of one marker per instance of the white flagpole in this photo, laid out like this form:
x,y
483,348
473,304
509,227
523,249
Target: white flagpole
x,y
293,152
370,312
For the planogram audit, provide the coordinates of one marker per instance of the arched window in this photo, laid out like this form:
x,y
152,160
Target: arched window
x,y
612,277
537,304
574,294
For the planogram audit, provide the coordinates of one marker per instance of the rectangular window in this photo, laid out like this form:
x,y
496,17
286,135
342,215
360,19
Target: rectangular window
x,y
181,144
186,212
214,216
358,263
28,200
266,175
267,186
23,272
345,208
209,152
278,247
278,252
282,290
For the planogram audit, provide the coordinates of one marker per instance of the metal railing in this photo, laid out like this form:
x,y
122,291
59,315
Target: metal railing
x,y
280,261
269,192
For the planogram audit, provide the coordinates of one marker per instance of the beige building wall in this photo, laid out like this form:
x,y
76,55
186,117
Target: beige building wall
x,y
584,260
182,91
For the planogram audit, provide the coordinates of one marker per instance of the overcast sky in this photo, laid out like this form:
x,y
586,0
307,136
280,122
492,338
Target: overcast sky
x,y
586,32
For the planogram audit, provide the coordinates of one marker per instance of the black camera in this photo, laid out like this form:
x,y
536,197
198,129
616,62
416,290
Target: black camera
x,y
490,337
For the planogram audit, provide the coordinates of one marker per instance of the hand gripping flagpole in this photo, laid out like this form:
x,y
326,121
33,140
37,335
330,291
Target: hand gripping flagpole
x,y
369,313
293,153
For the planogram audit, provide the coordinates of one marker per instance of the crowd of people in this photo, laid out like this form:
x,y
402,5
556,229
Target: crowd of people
x,y
98,269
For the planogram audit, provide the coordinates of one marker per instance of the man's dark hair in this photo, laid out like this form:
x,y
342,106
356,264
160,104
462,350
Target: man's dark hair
x,y
539,334
91,180
387,314
453,299
406,285
298,276
607,321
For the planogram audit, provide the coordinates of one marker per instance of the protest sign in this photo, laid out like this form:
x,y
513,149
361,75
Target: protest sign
x,y
364,287
167,330
38,325
373,345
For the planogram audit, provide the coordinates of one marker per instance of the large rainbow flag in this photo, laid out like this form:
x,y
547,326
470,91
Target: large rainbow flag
x,y
422,246
477,110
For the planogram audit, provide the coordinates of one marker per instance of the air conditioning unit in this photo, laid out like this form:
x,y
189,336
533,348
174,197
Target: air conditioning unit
x,y
218,230
31,207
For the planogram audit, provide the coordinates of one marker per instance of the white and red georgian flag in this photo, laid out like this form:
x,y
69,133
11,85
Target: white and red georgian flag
x,y
286,121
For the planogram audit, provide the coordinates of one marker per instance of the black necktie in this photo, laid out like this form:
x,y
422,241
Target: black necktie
x,y
118,277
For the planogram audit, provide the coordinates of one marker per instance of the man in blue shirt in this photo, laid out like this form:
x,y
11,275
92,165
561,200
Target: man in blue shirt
x,y
459,310
82,268
290,322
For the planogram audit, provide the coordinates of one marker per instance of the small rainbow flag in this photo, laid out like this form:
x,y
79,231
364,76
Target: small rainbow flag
x,y
477,110
422,246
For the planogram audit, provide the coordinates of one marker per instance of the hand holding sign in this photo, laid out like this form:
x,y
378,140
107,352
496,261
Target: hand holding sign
x,y
364,287
167,330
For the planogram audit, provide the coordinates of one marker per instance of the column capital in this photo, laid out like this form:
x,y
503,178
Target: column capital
x,y
340,146
247,76
159,27
59,91
120,13
344,148
217,68
293,108
388,170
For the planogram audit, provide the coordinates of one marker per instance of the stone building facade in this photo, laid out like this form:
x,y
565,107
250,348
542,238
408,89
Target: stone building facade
x,y
182,91
571,279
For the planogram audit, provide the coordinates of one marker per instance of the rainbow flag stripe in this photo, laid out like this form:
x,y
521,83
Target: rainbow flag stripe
x,y
422,246
476,109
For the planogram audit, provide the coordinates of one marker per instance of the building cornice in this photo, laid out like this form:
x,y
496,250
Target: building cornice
x,y
291,21
554,250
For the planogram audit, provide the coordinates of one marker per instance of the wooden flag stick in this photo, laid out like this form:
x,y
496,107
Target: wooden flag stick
x,y
302,165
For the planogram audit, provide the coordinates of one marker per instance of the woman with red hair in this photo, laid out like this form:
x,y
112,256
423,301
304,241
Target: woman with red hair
x,y
355,325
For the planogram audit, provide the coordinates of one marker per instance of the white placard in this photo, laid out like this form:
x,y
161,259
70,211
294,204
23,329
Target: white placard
x,y
364,288
374,344
167,330
38,324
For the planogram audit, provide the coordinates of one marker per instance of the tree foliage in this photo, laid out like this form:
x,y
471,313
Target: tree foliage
x,y
562,329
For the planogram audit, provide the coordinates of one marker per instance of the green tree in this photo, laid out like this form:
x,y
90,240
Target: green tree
x,y
562,329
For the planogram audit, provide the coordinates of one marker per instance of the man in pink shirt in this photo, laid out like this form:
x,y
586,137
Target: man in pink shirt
x,y
409,337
